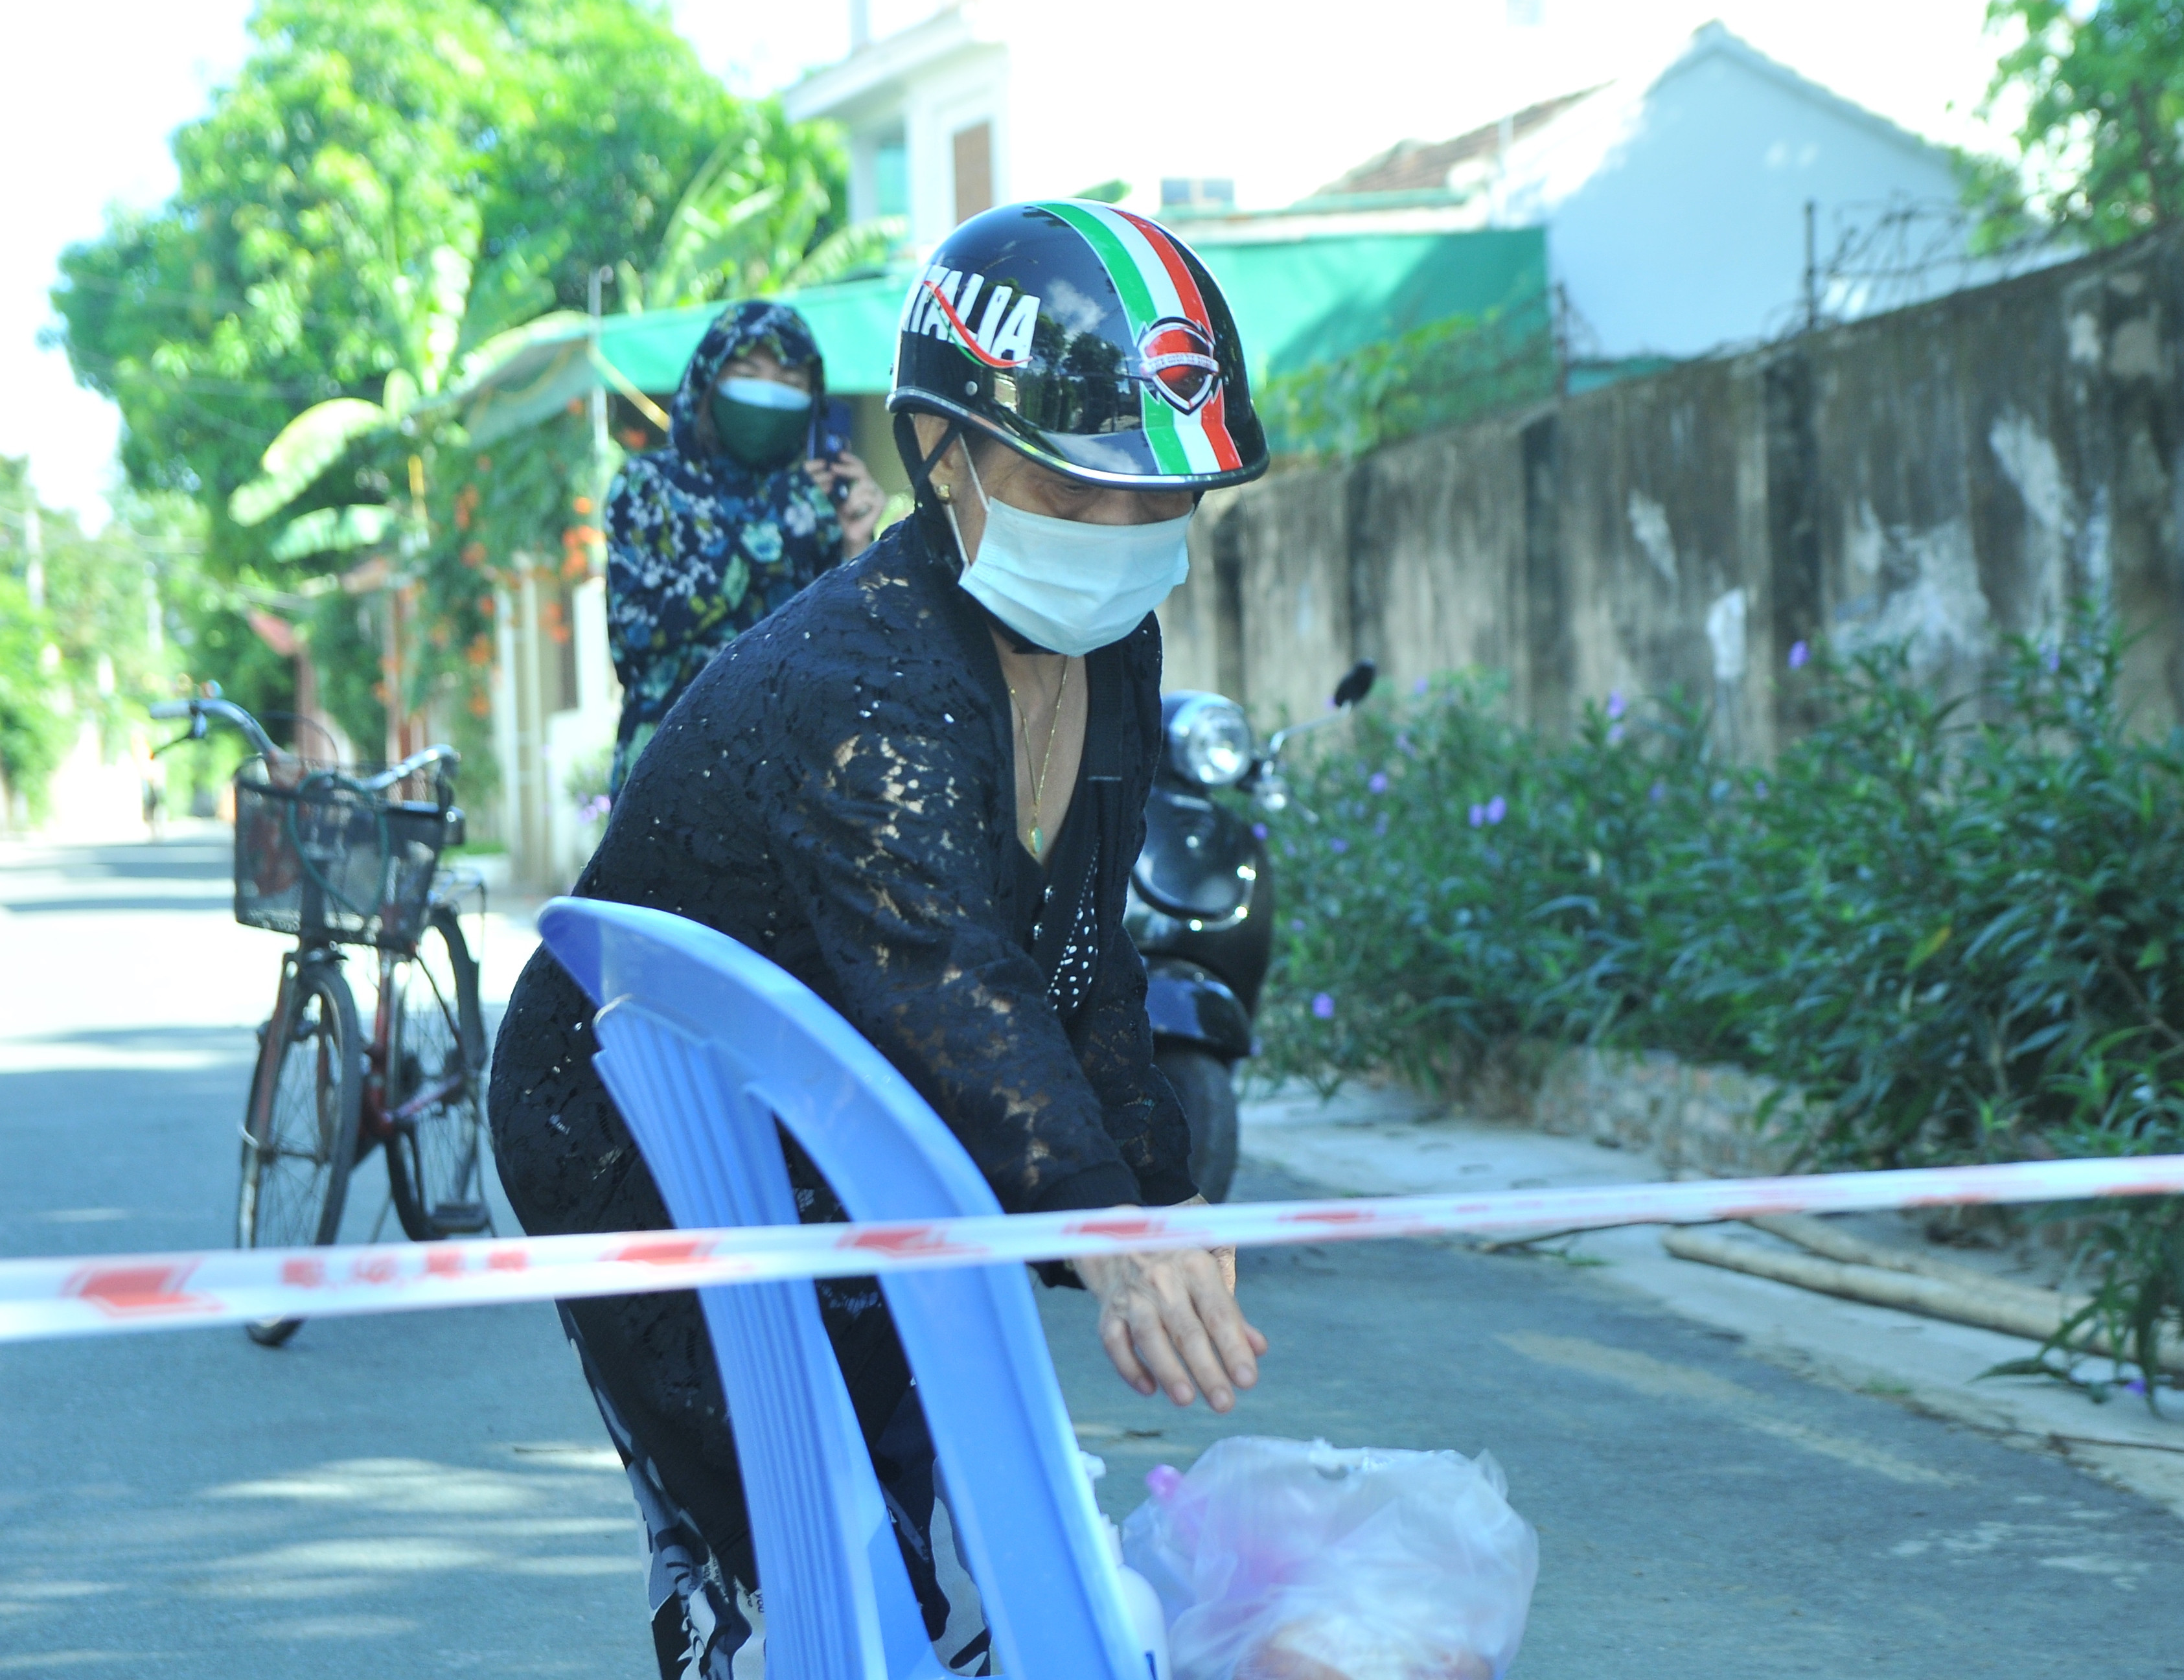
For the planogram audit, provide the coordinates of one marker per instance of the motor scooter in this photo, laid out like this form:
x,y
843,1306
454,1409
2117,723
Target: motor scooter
x,y
1202,905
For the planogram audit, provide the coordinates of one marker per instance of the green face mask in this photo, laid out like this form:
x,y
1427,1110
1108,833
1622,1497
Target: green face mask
x,y
760,422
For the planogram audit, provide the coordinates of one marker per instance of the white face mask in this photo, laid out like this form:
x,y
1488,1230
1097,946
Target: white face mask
x,y
1066,584
768,393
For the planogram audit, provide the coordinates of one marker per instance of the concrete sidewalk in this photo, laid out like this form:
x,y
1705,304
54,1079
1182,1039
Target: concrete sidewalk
x,y
1369,1140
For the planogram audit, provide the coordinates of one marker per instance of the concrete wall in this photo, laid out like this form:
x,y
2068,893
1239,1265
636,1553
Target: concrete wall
x,y
1952,473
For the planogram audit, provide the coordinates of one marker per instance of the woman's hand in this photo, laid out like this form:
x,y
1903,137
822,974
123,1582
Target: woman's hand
x,y
859,511
1169,1320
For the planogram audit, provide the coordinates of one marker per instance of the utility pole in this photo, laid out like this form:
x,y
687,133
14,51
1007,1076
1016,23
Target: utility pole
x,y
600,277
1559,317
34,578
34,557
597,519
1812,265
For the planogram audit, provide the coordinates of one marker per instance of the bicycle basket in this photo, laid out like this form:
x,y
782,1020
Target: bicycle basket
x,y
323,861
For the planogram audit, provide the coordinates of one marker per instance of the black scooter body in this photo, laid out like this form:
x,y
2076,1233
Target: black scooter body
x,y
1201,913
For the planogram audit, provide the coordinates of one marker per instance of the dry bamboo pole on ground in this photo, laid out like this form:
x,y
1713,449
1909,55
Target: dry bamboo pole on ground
x,y
1835,1243
1963,1297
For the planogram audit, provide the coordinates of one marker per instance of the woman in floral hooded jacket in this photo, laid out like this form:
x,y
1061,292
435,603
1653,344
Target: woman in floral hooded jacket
x,y
709,535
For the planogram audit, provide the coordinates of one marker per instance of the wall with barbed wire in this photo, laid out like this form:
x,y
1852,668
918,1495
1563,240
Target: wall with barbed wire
x,y
1948,474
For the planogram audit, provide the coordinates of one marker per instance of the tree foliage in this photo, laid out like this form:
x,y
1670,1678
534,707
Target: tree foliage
x,y
2103,131
1445,373
103,641
330,196
619,118
385,186
32,730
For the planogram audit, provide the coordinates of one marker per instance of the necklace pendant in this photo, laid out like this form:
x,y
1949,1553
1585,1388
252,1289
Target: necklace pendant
x,y
1037,841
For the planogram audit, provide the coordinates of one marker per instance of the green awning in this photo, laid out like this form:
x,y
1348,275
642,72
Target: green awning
x,y
854,323
1297,301
1302,301
539,369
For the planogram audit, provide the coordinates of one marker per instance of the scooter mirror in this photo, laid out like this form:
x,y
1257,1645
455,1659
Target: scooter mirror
x,y
1356,683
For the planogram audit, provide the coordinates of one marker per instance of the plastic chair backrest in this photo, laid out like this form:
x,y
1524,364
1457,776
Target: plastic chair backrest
x,y
839,1603
772,1048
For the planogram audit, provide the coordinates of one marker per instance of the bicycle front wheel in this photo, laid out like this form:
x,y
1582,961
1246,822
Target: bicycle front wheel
x,y
300,1135
435,1094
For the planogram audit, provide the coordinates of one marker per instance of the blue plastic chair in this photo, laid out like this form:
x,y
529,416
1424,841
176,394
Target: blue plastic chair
x,y
704,1044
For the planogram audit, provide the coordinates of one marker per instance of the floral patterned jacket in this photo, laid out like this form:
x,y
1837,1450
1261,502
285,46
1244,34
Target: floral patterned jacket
x,y
700,547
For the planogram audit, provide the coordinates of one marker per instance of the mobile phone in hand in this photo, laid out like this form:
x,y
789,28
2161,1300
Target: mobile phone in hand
x,y
831,436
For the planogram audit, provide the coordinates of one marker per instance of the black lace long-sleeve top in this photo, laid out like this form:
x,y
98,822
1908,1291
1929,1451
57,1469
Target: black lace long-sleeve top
x,y
837,790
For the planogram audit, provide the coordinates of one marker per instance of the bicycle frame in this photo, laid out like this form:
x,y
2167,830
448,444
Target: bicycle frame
x,y
377,1124
380,1122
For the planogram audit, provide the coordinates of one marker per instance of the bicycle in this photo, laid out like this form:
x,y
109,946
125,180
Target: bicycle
x,y
331,858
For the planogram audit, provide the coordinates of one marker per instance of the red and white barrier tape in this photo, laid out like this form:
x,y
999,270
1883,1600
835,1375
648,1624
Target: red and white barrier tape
x,y
113,1293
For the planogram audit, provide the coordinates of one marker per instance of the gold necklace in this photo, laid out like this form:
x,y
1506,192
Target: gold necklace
x,y
1046,758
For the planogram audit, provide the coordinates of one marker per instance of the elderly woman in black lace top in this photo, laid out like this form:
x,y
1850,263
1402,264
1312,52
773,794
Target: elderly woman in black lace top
x,y
919,787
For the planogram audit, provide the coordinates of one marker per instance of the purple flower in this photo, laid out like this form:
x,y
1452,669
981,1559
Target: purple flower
x,y
1615,708
1296,924
1478,816
1759,789
1381,826
1800,654
1615,734
1378,781
2053,660
1658,792
591,810
1337,845
2136,1385
1496,808
1420,686
1258,831
1323,1007
1403,745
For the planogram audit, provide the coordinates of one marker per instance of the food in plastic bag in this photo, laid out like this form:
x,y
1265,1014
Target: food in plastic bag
x,y
1292,1560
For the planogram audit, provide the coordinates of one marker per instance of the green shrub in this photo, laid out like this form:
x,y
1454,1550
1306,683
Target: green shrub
x,y
1445,373
33,732
1958,928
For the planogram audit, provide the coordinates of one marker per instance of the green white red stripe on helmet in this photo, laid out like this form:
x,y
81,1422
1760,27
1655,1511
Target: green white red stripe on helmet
x,y
1180,384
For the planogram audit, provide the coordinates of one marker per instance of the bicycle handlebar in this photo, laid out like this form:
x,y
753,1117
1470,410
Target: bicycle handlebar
x,y
200,709
415,761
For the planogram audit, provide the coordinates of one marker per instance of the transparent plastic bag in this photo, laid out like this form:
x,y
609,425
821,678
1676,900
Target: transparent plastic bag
x,y
1292,1560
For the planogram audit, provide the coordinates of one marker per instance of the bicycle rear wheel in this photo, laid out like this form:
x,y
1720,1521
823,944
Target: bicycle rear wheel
x,y
300,1133
435,1094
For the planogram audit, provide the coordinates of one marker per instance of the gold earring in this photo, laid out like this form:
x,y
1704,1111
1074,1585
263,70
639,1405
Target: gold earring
x,y
942,493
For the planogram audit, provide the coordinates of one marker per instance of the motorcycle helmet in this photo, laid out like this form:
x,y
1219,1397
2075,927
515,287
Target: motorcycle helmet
x,y
1088,339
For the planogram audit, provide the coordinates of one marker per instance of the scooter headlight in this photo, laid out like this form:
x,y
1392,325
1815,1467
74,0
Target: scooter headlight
x,y
1209,741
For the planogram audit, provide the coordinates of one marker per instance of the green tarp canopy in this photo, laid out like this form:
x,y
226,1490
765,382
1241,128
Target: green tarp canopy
x,y
1298,301
1308,300
541,369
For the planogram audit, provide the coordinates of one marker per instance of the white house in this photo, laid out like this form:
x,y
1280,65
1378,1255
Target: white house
x,y
1676,196
1691,204
987,101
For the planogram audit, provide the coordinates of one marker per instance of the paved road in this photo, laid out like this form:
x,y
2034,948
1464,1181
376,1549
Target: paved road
x,y
427,1495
